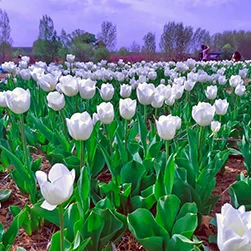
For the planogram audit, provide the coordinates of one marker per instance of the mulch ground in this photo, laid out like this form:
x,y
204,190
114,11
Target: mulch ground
x,y
39,241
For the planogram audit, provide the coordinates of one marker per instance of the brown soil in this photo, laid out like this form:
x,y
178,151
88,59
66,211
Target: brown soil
x,y
40,240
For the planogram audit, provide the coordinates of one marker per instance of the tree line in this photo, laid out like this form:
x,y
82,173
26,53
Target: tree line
x,y
177,42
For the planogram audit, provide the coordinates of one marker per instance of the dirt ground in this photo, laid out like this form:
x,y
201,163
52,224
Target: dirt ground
x,y
39,241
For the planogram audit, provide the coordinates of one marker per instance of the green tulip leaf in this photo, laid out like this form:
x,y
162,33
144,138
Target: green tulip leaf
x,y
170,204
146,230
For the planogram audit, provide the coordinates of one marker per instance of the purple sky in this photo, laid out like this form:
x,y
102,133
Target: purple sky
x,y
134,18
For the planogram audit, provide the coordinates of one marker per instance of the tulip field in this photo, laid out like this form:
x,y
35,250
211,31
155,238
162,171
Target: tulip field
x,y
131,149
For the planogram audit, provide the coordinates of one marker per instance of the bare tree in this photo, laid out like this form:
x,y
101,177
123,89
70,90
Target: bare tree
x,y
176,40
5,38
108,35
135,48
149,46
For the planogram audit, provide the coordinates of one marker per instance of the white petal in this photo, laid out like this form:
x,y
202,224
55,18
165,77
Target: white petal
x,y
48,206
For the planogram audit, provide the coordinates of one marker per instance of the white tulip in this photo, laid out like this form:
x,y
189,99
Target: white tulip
x,y
125,91
233,229
36,73
25,74
145,93
56,101
167,126
211,92
87,88
158,100
203,113
70,58
18,100
47,82
170,101
222,80
68,85
127,108
221,106
240,90
189,85
235,80
105,112
107,91
215,126
177,91
59,188
9,67
80,126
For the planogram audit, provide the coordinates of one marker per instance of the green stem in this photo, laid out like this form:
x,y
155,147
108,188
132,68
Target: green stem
x,y
64,122
145,113
155,112
23,138
61,220
167,149
126,133
108,135
82,147
200,144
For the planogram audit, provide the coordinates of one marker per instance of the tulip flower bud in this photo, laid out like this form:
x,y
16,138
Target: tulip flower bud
x,y
105,112
56,101
57,187
127,108
18,100
80,126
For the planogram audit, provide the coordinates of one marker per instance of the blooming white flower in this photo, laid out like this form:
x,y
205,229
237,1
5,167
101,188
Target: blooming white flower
x,y
47,82
68,85
107,91
145,93
203,113
233,229
221,106
235,80
57,187
167,126
56,100
18,100
70,58
125,91
215,126
105,112
87,88
127,108
240,90
80,126
211,92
